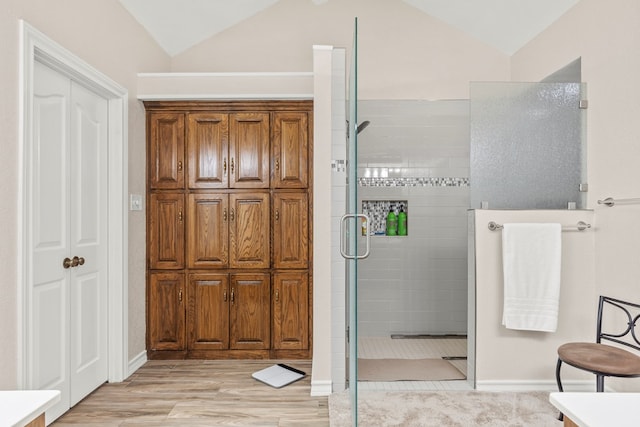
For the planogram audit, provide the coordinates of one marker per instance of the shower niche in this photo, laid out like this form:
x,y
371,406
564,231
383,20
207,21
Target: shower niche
x,y
378,210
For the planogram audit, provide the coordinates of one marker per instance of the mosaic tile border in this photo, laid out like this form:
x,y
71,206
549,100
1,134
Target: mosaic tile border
x,y
414,182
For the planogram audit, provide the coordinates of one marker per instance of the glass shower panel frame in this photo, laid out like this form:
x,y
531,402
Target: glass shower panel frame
x,y
528,148
351,293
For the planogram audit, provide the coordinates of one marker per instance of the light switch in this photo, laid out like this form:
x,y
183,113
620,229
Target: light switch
x,y
135,202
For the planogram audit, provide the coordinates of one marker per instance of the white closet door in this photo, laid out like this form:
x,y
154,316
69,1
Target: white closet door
x,y
49,226
66,219
88,237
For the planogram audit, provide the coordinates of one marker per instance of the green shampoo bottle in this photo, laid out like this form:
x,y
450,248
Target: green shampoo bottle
x,y
402,222
392,223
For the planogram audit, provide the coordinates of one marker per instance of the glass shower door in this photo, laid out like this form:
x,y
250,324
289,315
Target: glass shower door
x,y
351,246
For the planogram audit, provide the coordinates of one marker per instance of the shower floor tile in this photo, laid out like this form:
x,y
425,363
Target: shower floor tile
x,y
429,348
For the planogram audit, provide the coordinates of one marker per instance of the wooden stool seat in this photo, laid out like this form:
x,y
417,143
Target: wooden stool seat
x,y
605,360
600,359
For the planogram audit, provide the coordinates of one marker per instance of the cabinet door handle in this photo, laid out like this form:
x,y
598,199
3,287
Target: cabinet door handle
x,y
180,215
67,263
277,164
180,166
233,295
224,166
224,295
233,215
232,165
224,214
277,215
180,295
277,296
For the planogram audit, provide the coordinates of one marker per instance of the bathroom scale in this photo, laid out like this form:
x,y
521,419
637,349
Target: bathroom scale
x,y
278,375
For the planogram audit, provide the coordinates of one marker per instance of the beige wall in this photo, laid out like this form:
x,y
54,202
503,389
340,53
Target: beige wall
x,y
606,35
104,35
403,53
506,358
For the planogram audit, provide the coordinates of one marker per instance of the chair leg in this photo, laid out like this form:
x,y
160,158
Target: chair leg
x,y
599,383
559,382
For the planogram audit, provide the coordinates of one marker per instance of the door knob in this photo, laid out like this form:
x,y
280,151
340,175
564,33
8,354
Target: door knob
x,y
72,262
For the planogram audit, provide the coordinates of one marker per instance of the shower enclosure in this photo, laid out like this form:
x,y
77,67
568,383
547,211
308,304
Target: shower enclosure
x,y
510,146
414,157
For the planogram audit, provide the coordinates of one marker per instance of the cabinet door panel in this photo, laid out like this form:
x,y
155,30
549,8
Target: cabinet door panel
x,y
207,148
290,311
249,230
249,150
208,312
290,230
207,240
249,311
166,231
290,150
166,151
166,311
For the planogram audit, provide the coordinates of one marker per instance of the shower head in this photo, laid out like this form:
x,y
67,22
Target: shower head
x,y
362,126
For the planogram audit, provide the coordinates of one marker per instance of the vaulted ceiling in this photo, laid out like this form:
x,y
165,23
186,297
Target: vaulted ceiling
x,y
507,25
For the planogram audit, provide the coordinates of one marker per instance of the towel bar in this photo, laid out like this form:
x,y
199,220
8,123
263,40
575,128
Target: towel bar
x,y
610,201
580,226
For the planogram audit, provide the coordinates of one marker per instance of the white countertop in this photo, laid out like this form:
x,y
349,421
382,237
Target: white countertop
x,y
599,409
20,407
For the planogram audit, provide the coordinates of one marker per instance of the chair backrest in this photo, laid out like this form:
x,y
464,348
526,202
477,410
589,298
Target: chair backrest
x,y
623,331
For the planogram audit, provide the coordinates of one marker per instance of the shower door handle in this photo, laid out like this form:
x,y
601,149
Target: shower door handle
x,y
343,221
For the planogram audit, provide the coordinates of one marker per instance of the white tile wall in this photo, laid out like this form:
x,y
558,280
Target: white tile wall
x,y
416,283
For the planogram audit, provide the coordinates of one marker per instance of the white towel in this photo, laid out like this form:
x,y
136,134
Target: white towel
x,y
531,258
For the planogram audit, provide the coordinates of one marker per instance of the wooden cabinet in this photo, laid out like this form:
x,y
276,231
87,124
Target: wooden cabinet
x,y
290,310
228,150
228,229
249,150
290,230
249,311
208,150
249,245
166,231
166,313
165,159
229,311
208,316
290,151
208,235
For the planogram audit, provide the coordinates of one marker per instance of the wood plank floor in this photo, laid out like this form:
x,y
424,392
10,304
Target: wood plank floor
x,y
201,393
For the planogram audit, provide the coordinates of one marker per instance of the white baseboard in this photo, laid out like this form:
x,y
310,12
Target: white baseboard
x,y
137,362
320,388
550,386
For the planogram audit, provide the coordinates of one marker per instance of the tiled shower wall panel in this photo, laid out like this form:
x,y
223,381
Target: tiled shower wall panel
x,y
416,284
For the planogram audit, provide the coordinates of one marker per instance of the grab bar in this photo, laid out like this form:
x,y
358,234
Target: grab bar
x,y
610,201
580,226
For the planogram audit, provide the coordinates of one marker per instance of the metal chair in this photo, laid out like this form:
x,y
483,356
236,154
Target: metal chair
x,y
601,359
